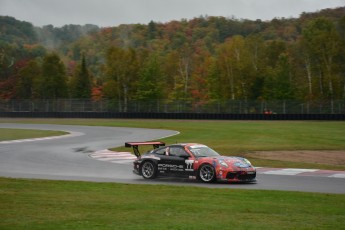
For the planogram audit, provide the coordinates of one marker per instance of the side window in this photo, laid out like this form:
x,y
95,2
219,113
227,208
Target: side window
x,y
161,151
176,151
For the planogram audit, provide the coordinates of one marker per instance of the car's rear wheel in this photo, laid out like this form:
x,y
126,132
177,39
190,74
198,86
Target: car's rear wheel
x,y
148,170
206,173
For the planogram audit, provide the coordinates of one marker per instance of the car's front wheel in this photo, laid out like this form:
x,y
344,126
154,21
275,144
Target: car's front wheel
x,y
148,170
206,173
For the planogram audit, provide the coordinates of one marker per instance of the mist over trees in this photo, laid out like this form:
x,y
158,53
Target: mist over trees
x,y
202,59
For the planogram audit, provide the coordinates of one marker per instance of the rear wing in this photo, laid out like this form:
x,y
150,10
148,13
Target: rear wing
x,y
135,145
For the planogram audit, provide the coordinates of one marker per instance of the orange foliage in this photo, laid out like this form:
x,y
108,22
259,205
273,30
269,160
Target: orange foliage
x,y
97,93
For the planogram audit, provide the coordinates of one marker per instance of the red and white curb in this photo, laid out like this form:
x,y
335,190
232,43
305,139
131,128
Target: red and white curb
x,y
128,158
113,157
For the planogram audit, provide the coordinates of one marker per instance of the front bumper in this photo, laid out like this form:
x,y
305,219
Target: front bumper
x,y
237,176
241,176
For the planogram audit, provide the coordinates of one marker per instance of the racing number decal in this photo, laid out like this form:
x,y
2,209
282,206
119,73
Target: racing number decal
x,y
189,165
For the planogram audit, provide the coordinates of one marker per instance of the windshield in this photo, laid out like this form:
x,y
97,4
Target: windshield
x,y
202,151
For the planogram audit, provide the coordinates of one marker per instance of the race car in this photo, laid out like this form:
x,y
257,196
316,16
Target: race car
x,y
190,160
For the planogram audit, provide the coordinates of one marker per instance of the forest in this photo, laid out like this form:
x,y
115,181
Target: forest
x,y
203,59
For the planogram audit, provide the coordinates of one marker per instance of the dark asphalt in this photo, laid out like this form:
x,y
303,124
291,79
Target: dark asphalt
x,y
67,158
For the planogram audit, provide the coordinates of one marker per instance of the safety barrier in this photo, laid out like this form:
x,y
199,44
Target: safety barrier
x,y
174,106
192,116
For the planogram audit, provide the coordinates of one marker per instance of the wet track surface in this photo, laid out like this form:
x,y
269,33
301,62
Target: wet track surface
x,y
69,157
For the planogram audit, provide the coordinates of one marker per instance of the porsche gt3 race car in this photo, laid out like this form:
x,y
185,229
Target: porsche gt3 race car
x,y
190,160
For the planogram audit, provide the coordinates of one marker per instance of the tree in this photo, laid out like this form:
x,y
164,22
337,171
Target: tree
x,y
151,30
122,69
28,76
214,85
341,58
256,65
52,84
234,65
81,82
150,80
278,85
185,69
178,71
322,44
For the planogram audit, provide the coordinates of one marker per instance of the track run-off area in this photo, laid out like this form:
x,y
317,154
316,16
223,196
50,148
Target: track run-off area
x,y
82,155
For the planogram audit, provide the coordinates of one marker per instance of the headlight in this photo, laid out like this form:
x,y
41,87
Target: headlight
x,y
244,163
247,161
223,163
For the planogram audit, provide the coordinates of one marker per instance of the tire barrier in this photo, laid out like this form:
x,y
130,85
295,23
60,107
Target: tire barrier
x,y
191,116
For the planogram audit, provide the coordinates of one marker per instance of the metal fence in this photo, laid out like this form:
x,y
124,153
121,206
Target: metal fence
x,y
178,106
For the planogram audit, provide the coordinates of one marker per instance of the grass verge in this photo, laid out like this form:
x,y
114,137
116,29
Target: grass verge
x,y
40,204
16,134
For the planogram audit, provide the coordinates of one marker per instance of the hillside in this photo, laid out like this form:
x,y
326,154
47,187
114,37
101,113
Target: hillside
x,y
202,59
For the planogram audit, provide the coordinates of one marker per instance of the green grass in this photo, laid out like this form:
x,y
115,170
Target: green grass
x,y
236,137
16,134
40,204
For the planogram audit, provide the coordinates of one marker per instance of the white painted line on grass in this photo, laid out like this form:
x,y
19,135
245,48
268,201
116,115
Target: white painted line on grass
x,y
71,134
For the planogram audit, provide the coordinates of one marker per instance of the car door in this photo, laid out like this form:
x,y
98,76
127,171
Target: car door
x,y
164,162
179,162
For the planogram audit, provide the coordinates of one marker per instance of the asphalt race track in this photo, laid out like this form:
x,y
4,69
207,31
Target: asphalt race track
x,y
69,158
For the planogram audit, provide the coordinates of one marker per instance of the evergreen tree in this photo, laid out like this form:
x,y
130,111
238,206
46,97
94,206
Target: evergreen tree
x,y
151,30
81,83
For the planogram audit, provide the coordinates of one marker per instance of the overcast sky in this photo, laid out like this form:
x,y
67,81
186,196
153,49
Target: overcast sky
x,y
115,12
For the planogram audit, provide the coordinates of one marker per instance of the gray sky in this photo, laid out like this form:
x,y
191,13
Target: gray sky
x,y
115,12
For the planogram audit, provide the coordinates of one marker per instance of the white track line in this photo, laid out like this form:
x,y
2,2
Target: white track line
x,y
70,134
338,175
289,171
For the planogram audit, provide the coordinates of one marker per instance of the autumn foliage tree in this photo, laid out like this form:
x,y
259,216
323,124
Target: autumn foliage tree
x,y
28,77
322,43
121,72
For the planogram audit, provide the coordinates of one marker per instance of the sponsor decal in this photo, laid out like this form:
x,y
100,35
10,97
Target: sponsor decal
x,y
171,167
189,165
